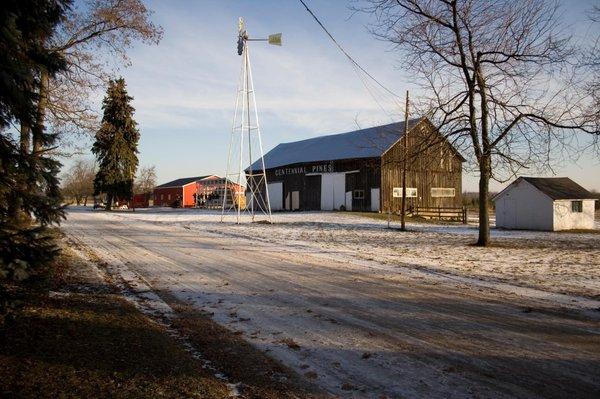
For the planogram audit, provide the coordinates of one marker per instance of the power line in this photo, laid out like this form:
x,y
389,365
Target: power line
x,y
354,62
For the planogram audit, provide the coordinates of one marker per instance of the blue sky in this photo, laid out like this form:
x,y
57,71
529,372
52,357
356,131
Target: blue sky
x,y
184,88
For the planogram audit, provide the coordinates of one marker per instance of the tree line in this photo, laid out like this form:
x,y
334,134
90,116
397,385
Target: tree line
x,y
77,183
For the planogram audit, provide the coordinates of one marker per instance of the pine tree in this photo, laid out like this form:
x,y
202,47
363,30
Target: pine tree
x,y
30,199
116,146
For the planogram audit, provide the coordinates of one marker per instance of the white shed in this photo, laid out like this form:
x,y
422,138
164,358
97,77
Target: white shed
x,y
544,203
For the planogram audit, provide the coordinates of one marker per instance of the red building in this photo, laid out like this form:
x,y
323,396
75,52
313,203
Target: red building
x,y
202,191
177,191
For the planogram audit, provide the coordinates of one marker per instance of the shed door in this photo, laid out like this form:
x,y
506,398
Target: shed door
x,y
333,191
276,196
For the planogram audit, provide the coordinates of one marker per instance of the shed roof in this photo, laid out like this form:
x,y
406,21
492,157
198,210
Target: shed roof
x,y
183,181
364,143
559,188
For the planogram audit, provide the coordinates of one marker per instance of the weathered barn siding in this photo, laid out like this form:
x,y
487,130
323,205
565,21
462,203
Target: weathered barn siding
x,y
432,162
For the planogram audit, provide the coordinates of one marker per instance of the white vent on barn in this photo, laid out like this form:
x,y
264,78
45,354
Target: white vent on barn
x,y
439,192
411,192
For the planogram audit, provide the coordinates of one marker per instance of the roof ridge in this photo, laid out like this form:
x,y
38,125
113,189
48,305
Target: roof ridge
x,y
183,179
352,131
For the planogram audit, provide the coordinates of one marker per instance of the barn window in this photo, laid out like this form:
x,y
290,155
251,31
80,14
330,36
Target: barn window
x,y
359,194
162,196
577,206
169,197
411,192
443,192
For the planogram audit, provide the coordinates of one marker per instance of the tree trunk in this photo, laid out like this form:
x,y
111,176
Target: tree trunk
x,y
484,216
25,143
38,128
109,199
485,160
25,139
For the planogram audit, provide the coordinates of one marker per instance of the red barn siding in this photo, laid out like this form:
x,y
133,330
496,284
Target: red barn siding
x,y
188,194
165,196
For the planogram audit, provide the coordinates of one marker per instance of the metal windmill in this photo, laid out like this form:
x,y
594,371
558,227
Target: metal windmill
x,y
245,145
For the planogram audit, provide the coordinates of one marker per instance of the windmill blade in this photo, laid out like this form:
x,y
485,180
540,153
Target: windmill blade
x,y
241,36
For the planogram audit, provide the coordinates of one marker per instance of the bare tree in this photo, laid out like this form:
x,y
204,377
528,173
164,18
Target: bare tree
x,y
591,66
94,38
78,183
145,180
497,79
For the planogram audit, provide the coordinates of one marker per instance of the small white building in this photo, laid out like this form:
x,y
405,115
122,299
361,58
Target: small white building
x,y
544,203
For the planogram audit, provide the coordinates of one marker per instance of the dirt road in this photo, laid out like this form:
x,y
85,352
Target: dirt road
x,y
354,331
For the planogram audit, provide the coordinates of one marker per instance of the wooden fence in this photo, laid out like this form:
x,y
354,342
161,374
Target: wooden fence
x,y
458,214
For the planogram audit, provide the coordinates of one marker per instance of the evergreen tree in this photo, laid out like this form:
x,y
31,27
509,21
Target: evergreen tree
x,y
29,194
116,145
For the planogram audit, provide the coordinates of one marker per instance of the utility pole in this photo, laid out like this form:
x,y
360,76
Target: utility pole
x,y
405,150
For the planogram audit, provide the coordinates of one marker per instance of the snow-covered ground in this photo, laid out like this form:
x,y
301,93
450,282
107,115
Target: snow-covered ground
x,y
364,311
554,262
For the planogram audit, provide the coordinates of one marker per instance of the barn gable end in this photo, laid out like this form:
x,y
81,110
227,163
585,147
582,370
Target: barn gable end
x,y
433,163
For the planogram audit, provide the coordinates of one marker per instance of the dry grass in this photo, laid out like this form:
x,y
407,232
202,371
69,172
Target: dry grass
x,y
86,341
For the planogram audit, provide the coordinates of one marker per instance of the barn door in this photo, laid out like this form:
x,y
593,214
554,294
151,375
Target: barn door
x,y
276,196
288,205
374,200
295,200
333,191
312,193
349,200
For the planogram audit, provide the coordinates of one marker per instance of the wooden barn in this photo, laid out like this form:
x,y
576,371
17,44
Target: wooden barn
x,y
362,170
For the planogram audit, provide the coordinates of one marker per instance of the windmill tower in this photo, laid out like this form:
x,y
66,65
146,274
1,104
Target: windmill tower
x,y
245,163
